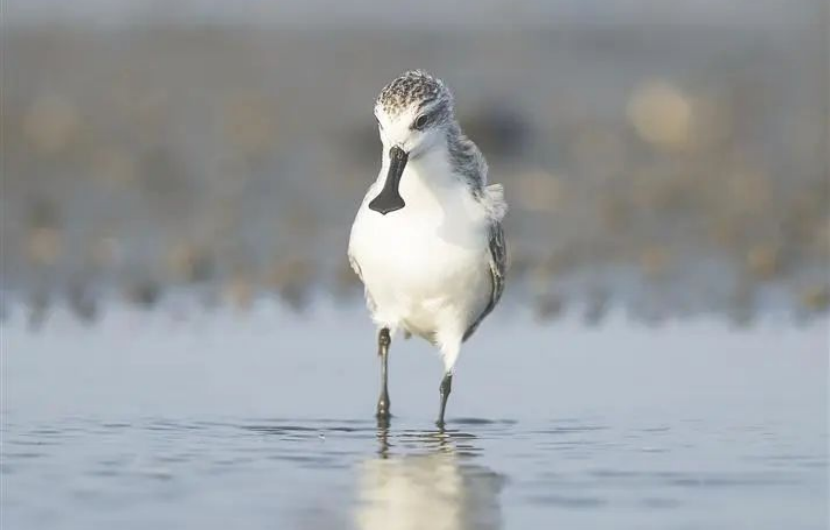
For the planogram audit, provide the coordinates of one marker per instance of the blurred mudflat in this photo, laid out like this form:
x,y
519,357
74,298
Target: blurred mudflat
x,y
184,178
266,420
673,166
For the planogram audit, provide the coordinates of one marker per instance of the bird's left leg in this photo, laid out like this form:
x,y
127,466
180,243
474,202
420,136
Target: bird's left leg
x,y
384,340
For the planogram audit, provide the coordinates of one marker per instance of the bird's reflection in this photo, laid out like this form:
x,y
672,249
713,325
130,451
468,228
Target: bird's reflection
x,y
427,480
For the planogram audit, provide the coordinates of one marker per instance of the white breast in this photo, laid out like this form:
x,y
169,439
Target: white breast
x,y
426,265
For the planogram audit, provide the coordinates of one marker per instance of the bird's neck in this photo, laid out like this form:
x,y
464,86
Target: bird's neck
x,y
428,177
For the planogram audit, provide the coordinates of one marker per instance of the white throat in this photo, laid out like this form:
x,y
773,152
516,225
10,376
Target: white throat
x,y
427,178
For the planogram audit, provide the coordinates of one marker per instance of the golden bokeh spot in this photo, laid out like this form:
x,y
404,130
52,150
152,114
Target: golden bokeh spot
x,y
662,115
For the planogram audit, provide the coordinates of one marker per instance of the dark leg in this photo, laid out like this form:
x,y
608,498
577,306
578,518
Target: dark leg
x,y
444,389
384,340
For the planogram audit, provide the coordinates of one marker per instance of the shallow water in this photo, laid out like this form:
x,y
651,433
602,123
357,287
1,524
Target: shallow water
x,y
265,420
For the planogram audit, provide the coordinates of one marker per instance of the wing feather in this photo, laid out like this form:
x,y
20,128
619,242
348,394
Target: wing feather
x,y
498,271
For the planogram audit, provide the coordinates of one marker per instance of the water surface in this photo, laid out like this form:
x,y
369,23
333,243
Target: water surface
x,y
265,420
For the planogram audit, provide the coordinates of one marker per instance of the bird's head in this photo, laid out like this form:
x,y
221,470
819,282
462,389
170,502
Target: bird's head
x,y
413,112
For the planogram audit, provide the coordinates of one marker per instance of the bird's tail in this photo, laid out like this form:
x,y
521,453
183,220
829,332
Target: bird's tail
x,y
494,202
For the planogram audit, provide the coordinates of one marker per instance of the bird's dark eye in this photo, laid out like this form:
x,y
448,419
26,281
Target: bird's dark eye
x,y
420,122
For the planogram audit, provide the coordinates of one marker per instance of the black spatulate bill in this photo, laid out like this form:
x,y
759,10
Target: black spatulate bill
x,y
389,199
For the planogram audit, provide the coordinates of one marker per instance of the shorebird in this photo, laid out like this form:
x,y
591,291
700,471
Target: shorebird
x,y
427,241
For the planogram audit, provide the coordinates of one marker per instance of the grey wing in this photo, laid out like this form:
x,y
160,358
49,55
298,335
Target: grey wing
x,y
498,270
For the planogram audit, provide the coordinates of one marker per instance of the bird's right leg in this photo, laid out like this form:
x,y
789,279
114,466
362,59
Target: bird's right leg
x,y
444,389
384,340
450,343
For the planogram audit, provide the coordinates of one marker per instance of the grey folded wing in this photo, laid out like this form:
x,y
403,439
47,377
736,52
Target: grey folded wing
x,y
498,269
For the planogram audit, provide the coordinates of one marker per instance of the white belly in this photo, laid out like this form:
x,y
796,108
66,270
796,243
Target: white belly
x,y
426,266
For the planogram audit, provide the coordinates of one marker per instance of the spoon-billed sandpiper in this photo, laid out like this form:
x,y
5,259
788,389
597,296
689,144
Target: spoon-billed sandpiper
x,y
427,241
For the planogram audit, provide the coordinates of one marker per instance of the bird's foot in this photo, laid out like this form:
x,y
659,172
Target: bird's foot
x,y
383,407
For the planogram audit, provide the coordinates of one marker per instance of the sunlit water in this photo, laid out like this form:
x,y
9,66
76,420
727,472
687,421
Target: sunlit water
x,y
265,420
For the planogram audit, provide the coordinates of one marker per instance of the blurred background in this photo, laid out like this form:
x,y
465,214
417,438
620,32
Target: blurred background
x,y
666,158
179,180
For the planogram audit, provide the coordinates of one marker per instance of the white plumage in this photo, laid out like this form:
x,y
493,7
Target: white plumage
x,y
426,267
